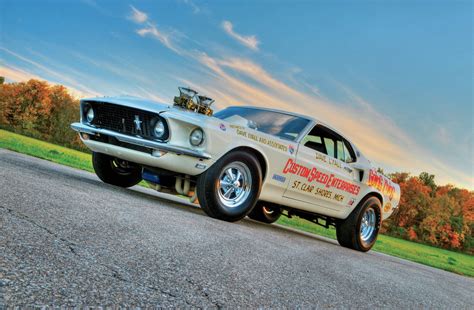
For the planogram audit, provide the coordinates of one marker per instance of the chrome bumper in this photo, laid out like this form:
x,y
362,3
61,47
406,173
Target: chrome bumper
x,y
83,128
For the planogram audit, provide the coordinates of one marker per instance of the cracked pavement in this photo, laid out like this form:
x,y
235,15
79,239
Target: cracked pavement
x,y
66,239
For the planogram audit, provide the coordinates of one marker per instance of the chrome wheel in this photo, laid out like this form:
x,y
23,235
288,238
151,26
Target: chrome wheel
x,y
367,226
234,185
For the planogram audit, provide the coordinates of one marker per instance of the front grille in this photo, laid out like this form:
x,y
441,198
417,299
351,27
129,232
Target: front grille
x,y
122,119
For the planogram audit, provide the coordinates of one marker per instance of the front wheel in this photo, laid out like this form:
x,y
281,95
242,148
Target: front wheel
x,y
229,189
116,171
265,212
360,230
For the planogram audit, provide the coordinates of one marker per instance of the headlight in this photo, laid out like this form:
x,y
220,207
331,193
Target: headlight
x,y
159,129
90,115
196,137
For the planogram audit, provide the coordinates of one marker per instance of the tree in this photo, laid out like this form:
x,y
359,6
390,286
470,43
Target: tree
x,y
428,180
2,80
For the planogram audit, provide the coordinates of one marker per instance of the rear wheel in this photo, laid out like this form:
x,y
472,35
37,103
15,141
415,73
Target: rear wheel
x,y
265,212
360,230
116,171
229,189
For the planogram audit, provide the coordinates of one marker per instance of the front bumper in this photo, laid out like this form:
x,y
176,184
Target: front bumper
x,y
160,146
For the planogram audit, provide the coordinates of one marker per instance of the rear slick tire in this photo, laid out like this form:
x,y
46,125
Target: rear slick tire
x,y
360,229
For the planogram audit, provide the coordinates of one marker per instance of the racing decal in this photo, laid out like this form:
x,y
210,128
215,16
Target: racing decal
x,y
261,140
314,175
387,207
382,183
308,188
291,149
222,127
351,202
278,178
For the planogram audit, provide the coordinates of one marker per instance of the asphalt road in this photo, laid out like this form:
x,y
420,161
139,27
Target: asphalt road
x,y
68,239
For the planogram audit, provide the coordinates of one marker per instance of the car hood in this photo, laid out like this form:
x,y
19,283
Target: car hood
x,y
133,102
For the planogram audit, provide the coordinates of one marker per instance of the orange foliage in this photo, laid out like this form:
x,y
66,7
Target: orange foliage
x,y
437,215
38,109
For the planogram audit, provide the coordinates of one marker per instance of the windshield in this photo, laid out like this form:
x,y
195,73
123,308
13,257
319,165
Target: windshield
x,y
274,123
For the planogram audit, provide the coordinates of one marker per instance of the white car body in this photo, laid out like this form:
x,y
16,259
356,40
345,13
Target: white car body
x,y
295,176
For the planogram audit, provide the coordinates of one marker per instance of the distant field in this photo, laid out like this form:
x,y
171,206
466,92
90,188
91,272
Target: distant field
x,y
431,256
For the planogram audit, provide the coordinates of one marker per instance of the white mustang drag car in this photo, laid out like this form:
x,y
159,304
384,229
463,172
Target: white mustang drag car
x,y
239,161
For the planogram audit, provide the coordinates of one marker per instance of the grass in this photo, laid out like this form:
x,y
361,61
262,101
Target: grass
x,y
443,259
45,150
424,254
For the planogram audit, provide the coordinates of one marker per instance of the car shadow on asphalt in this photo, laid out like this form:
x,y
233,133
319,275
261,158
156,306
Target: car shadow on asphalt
x,y
171,201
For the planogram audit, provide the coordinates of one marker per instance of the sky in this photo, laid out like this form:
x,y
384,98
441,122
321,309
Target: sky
x,y
395,77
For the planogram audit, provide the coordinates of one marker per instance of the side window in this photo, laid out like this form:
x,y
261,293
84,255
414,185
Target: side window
x,y
329,143
341,150
349,153
314,140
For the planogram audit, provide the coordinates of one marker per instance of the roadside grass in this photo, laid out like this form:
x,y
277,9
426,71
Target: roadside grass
x,y
37,148
443,259
456,262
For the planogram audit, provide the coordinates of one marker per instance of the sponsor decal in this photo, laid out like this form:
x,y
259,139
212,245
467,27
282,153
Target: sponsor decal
x,y
312,189
222,127
313,175
291,149
387,207
382,183
261,140
279,178
200,166
351,202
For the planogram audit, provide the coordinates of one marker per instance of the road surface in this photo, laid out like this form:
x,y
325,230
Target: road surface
x,y
68,239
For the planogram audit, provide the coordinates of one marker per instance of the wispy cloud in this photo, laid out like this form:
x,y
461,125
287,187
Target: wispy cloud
x,y
248,41
196,9
165,38
55,77
151,29
20,75
375,133
138,16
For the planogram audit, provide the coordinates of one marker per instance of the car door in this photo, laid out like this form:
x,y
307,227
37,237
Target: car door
x,y
321,174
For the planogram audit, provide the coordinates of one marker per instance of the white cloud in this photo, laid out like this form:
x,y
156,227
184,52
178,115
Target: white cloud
x,y
248,41
164,37
55,77
373,132
138,16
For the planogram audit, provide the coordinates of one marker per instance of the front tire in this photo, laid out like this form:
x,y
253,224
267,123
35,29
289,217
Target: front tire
x,y
116,171
360,230
229,189
265,212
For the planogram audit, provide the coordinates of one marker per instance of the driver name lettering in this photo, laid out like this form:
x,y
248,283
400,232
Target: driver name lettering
x,y
314,175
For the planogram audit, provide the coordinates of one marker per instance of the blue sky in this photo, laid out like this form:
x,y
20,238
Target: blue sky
x,y
394,76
